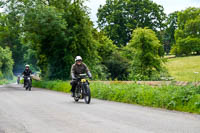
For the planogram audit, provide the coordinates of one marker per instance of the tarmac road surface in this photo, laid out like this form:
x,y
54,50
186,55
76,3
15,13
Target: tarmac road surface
x,y
44,111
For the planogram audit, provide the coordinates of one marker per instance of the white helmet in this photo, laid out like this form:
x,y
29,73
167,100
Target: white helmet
x,y
27,66
78,58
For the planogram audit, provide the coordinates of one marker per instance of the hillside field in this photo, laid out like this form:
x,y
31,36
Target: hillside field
x,y
184,68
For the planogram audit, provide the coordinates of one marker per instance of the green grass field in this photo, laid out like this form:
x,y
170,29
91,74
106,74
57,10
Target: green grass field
x,y
184,68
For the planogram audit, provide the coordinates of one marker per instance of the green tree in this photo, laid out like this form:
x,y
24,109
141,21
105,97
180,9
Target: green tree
x,y
30,57
10,37
58,35
169,38
46,34
188,33
118,18
146,62
105,45
115,65
6,63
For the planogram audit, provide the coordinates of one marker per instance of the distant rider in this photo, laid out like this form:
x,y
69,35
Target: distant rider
x,y
27,73
18,79
78,68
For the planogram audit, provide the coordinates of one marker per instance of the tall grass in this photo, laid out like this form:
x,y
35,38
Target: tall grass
x,y
185,98
53,85
179,98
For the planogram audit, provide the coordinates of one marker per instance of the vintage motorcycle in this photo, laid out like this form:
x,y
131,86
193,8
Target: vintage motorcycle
x,y
28,83
18,79
82,90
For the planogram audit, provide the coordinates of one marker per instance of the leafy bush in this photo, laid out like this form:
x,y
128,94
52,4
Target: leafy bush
x,y
118,66
4,81
6,63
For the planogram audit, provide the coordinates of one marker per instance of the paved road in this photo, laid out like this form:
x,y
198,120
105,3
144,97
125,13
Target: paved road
x,y
44,111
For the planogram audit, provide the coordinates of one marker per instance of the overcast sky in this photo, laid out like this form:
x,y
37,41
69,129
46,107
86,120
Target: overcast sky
x,y
169,5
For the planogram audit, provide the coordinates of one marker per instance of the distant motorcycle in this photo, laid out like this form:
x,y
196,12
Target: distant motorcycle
x,y
28,82
18,79
82,90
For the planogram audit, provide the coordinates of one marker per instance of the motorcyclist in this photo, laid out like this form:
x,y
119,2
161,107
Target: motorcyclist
x,y
18,79
27,73
78,68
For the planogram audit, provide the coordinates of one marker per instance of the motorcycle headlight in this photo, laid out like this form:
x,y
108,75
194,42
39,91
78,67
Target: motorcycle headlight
x,y
83,80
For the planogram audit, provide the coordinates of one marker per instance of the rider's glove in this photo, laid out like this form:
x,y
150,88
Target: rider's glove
x,y
89,74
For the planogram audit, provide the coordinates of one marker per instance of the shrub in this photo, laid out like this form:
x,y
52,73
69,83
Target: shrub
x,y
147,62
6,63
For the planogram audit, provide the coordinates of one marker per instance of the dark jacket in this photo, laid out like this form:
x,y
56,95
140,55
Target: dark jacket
x,y
79,69
27,72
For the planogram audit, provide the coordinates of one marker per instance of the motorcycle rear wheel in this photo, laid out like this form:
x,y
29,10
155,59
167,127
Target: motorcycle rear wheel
x,y
76,99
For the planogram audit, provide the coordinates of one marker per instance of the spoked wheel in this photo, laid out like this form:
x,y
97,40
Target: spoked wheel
x,y
26,86
87,96
76,99
30,85
29,88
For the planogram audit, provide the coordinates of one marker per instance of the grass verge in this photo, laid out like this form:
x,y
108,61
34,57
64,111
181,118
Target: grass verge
x,y
5,81
178,98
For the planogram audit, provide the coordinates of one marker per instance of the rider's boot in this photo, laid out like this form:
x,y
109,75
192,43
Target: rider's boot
x,y
73,94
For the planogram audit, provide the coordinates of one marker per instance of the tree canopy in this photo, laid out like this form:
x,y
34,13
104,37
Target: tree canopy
x,y
49,34
58,36
146,61
172,25
188,33
10,37
118,18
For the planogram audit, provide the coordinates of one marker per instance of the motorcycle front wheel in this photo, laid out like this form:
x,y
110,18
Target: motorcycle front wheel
x,y
29,88
87,96
28,85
